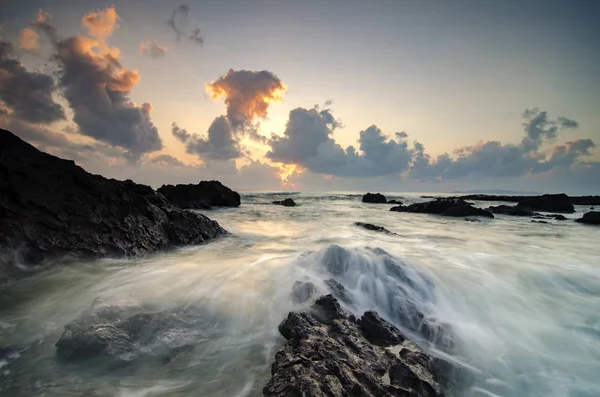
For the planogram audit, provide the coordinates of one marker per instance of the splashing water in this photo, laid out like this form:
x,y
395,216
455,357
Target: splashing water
x,y
522,299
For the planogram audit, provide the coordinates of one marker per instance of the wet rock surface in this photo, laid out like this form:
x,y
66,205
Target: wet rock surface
x,y
328,354
590,218
203,195
548,203
374,198
288,202
50,208
444,207
302,291
374,228
513,210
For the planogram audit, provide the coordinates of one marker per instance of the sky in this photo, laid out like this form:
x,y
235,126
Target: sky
x,y
430,96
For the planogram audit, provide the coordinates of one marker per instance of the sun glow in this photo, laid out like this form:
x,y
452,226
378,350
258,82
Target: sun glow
x,y
288,170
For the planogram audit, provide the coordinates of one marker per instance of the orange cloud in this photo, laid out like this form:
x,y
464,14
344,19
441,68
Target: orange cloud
x,y
101,24
29,40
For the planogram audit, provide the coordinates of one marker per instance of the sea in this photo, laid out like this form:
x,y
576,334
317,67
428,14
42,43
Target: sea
x,y
522,298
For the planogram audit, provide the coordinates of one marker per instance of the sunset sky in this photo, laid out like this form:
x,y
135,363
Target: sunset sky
x,y
311,95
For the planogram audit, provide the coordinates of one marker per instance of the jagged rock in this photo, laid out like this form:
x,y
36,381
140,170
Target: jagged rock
x,y
374,198
375,228
591,218
445,207
302,291
127,334
50,208
288,202
329,355
513,210
203,195
339,291
378,331
548,203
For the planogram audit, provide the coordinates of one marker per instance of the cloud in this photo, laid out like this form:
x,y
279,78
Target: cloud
x,y
167,160
247,94
29,40
26,95
538,127
101,24
221,143
152,49
97,86
180,25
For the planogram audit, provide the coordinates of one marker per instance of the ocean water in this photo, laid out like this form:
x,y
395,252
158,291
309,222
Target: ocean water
x,y
523,299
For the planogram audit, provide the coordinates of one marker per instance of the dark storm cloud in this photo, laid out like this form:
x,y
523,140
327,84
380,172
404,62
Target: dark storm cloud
x,y
220,144
179,22
28,95
180,133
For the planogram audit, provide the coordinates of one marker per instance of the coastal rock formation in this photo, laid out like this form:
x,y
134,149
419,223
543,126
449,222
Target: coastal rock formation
x,y
203,195
374,198
397,202
548,203
591,218
302,291
50,207
445,207
288,202
513,210
575,200
370,226
329,354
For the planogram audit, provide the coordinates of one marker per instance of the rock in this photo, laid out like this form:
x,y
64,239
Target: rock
x,y
50,207
374,198
302,291
533,221
591,208
548,203
124,335
394,202
559,217
201,196
288,202
512,210
378,331
375,228
473,220
339,291
575,200
445,207
591,218
335,358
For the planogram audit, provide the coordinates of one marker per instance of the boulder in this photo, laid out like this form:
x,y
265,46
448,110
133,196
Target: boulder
x,y
374,198
288,202
591,218
50,208
339,291
559,217
548,203
513,210
445,207
375,228
397,202
302,291
330,355
203,195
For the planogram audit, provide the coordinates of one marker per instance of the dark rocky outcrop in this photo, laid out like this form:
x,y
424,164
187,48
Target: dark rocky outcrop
x,y
397,202
590,218
288,202
126,333
534,221
374,198
302,291
339,291
445,207
575,200
375,228
559,217
50,208
203,195
329,354
513,210
548,203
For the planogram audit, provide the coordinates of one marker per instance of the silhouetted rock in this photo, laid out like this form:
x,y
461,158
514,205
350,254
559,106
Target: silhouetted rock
x,y
288,202
473,220
445,207
49,208
575,200
375,228
559,217
397,202
339,291
591,218
374,198
330,355
203,195
533,221
548,203
513,210
302,291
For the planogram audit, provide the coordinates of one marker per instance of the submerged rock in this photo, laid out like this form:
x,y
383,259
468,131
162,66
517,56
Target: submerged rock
x,y
339,291
445,207
559,217
534,221
397,202
328,354
374,198
513,210
375,228
50,207
203,195
302,291
288,202
548,203
591,218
